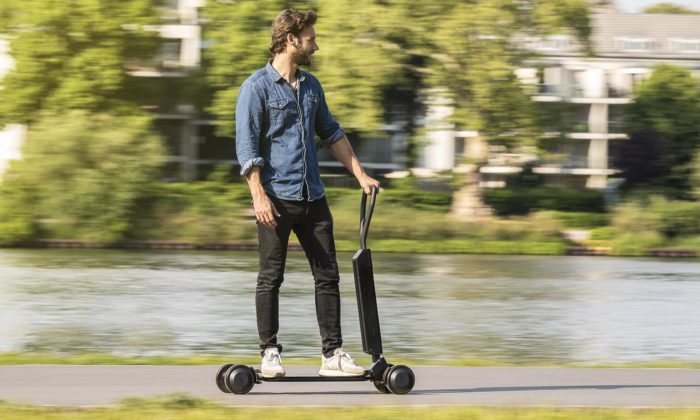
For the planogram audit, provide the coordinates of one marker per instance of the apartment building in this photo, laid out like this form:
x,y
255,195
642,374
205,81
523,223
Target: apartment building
x,y
586,96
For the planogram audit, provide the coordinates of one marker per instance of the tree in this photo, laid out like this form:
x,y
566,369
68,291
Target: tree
x,y
371,49
238,35
695,177
354,64
476,49
670,8
72,55
82,176
668,104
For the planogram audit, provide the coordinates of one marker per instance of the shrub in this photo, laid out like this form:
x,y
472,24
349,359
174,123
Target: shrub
x,y
669,218
83,173
520,200
636,243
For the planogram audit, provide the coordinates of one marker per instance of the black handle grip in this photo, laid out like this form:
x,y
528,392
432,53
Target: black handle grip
x,y
366,216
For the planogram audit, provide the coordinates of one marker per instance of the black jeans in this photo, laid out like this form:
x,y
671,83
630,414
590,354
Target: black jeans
x,y
313,224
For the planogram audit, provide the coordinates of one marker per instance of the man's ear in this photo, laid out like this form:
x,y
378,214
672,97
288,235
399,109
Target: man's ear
x,y
291,39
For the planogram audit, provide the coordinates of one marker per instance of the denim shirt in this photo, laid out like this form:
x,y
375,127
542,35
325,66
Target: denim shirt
x,y
275,129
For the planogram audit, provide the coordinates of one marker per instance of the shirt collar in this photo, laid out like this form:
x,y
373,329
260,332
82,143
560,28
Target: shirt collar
x,y
276,77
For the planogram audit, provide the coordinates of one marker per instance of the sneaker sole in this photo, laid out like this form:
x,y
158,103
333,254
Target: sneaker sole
x,y
272,375
337,373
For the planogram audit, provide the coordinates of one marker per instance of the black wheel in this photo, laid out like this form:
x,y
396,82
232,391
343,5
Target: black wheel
x,y
399,379
381,387
239,379
220,378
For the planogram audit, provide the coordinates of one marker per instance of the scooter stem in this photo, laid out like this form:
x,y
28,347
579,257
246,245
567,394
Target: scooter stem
x,y
366,216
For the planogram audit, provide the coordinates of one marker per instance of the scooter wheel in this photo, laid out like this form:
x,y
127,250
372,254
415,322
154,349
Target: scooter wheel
x,y
381,387
220,378
239,379
399,379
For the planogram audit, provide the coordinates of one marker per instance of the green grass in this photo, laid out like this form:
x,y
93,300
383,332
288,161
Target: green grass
x,y
108,359
457,246
181,406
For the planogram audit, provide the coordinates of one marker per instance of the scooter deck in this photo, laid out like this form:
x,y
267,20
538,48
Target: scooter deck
x,y
317,379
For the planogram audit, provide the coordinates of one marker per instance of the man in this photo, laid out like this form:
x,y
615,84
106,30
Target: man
x,y
279,110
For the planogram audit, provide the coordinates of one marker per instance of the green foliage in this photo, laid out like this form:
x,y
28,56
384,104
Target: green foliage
x,y
695,175
666,107
464,50
519,200
204,212
636,243
418,199
72,55
670,8
582,220
606,233
457,246
657,214
239,35
81,173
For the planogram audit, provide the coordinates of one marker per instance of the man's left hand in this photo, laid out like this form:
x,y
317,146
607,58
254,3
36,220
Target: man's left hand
x,y
367,182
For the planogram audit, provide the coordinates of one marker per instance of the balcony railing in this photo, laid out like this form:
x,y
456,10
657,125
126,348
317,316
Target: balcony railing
x,y
614,127
578,91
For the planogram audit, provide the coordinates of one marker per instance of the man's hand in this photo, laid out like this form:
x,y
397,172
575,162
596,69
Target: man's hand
x,y
367,182
265,211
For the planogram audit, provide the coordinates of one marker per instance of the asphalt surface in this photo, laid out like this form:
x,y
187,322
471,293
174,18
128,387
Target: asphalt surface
x,y
63,385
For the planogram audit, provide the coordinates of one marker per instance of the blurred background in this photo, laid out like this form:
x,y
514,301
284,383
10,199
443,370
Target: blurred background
x,y
542,127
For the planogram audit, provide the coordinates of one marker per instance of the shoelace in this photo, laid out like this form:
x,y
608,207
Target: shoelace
x,y
342,355
275,359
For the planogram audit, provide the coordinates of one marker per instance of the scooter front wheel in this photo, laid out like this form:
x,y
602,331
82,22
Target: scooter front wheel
x,y
381,387
399,379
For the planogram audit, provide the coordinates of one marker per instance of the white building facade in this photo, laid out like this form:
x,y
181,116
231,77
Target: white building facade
x,y
11,136
594,91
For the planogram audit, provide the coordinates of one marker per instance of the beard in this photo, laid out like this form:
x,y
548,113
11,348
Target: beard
x,y
302,56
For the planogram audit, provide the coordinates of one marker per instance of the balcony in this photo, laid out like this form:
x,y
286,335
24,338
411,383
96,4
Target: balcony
x,y
572,165
579,94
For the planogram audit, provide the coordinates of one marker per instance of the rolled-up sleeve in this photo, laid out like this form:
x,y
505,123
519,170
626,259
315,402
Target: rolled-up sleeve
x,y
327,128
249,116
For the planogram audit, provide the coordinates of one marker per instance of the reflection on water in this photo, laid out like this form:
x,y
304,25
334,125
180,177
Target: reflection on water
x,y
572,309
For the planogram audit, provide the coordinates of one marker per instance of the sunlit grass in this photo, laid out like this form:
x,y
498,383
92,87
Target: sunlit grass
x,y
108,359
182,406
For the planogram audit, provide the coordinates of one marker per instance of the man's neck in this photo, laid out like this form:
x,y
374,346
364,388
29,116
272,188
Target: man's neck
x,y
286,67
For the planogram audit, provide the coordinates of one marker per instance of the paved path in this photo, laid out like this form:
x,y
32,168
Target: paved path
x,y
504,386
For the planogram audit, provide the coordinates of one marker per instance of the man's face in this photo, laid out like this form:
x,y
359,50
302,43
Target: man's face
x,y
304,46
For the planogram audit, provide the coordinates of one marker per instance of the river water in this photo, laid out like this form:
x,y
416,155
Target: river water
x,y
433,307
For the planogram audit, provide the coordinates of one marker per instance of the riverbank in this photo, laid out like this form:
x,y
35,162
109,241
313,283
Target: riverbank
x,y
7,359
216,215
447,246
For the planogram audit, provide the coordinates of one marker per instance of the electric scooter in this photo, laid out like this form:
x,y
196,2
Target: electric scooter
x,y
387,378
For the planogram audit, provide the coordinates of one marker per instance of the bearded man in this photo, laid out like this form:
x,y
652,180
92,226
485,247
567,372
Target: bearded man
x,y
279,111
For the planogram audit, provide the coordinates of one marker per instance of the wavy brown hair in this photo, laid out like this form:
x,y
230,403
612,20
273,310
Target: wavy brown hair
x,y
290,21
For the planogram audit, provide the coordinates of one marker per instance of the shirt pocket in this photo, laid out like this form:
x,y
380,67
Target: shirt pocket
x,y
280,110
312,102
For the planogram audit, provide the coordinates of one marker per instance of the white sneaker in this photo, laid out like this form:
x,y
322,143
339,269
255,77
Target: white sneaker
x,y
340,364
271,365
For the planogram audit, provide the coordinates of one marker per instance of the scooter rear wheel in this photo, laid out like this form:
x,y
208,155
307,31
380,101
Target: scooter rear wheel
x,y
220,378
239,379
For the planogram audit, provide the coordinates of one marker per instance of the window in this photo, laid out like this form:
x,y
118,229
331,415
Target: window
x,y
627,44
170,51
684,45
550,43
